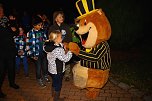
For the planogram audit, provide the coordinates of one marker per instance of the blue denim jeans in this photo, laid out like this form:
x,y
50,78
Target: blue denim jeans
x,y
25,63
41,66
57,81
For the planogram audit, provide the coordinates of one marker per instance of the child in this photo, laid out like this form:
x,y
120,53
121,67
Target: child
x,y
20,41
35,40
59,24
57,56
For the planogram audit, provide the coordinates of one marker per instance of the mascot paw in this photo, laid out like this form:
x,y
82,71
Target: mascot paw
x,y
74,48
92,93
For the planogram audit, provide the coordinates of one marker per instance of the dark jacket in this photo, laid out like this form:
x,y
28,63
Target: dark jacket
x,y
65,29
7,44
49,46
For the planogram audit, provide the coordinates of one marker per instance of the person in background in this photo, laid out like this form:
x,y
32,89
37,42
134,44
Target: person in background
x,y
57,56
46,22
20,41
58,24
7,54
13,25
35,40
26,21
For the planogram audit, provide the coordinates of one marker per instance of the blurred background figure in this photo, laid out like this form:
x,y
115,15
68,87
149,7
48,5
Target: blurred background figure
x,y
7,54
21,57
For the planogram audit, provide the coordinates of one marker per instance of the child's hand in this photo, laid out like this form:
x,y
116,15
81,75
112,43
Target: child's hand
x,y
35,58
13,29
66,47
20,52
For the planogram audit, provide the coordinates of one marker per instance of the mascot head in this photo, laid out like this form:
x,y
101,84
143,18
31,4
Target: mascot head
x,y
93,25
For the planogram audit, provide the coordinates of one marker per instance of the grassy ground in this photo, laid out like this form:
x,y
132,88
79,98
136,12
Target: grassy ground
x,y
133,67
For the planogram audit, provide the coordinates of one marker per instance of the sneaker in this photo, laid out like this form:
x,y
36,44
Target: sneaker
x,y
41,83
15,86
47,80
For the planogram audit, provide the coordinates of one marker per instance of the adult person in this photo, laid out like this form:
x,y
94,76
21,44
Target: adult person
x,y
7,54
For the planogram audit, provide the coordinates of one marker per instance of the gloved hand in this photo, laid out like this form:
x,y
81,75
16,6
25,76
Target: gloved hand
x,y
74,48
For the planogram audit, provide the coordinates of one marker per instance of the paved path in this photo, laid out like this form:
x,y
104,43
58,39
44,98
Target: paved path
x,y
30,91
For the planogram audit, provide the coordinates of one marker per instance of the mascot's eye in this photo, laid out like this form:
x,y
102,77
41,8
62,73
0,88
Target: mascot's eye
x,y
85,22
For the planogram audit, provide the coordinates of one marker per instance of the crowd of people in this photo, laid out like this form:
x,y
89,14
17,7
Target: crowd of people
x,y
43,43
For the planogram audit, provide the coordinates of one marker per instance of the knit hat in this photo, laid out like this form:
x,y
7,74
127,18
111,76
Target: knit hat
x,y
36,20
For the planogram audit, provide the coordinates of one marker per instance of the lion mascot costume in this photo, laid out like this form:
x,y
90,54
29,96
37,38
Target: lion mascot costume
x,y
93,27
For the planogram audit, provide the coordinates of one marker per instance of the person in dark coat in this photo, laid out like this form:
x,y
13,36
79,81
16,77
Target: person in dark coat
x,y
7,53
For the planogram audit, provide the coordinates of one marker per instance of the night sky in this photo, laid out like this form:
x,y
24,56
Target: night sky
x,y
69,8
43,6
